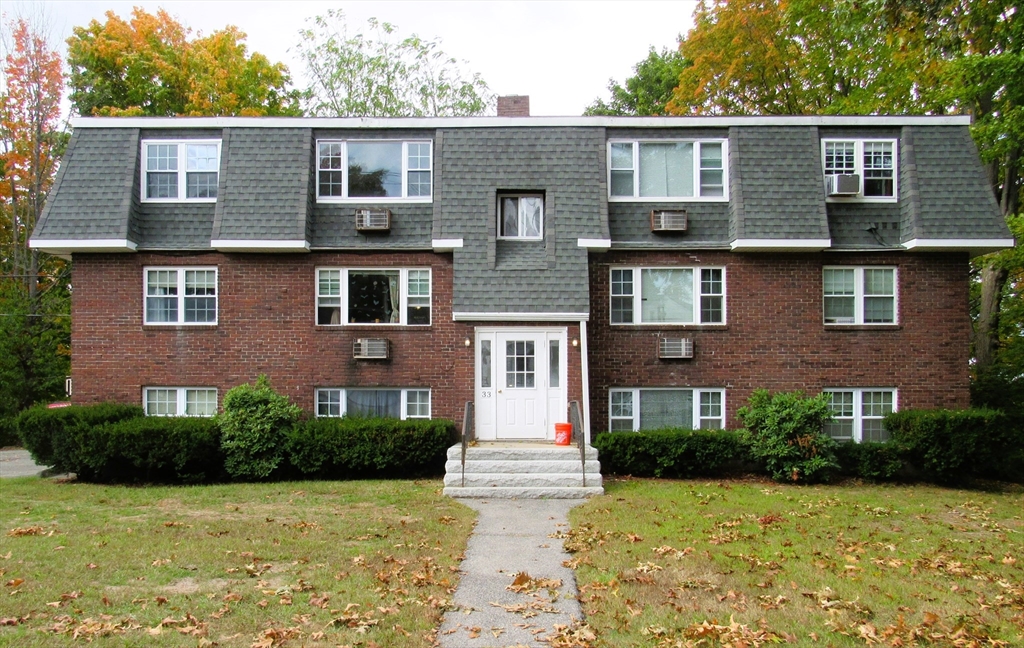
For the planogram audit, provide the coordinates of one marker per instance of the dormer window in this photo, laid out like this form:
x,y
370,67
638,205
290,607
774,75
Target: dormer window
x,y
864,169
667,170
520,216
181,170
369,171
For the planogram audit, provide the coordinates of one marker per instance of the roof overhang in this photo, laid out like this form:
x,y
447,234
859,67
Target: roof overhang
x,y
974,246
595,245
66,247
446,245
780,245
520,317
256,245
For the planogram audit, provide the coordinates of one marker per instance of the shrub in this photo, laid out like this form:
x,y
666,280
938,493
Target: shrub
x,y
786,434
874,461
254,427
48,433
348,448
151,449
673,453
954,446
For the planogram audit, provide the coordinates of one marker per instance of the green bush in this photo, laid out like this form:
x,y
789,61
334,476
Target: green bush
x,y
254,428
785,433
151,449
350,448
9,433
672,453
951,447
47,433
874,461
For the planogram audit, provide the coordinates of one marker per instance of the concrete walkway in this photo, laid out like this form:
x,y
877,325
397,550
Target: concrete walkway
x,y
510,538
18,463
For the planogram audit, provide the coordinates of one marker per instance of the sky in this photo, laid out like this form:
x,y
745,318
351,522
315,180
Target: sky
x,y
561,54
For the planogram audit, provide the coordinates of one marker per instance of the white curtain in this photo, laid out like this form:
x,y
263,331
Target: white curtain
x,y
396,298
666,169
660,408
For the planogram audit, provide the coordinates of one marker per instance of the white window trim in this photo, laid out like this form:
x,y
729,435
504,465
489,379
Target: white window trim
x,y
181,171
405,198
638,297
636,197
343,403
858,168
403,280
181,295
858,402
858,295
182,399
697,391
526,194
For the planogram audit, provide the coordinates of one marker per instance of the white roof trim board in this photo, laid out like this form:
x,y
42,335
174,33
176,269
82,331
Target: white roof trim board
x,y
520,317
64,246
506,122
234,245
958,244
803,245
601,244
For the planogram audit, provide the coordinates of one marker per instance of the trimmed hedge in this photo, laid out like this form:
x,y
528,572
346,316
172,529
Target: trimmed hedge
x,y
150,450
874,461
951,447
46,433
351,448
672,453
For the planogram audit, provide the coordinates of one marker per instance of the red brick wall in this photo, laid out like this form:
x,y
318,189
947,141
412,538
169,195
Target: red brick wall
x,y
265,325
774,337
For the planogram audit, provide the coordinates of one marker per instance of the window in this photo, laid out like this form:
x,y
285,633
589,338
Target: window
x,y
520,217
860,295
374,403
859,413
666,295
180,401
373,170
667,169
873,160
373,296
651,409
181,296
180,170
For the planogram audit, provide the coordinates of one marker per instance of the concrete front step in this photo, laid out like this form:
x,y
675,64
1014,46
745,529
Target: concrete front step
x,y
524,492
506,466
521,479
512,452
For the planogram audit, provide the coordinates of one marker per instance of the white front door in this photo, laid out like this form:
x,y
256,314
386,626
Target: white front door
x,y
520,383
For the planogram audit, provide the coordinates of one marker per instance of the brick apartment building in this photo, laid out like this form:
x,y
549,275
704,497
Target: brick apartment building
x,y
657,270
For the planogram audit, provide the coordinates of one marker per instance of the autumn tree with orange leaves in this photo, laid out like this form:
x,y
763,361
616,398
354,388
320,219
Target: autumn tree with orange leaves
x,y
150,66
34,325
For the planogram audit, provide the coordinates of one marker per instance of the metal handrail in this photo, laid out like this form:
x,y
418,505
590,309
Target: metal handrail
x,y
576,418
467,436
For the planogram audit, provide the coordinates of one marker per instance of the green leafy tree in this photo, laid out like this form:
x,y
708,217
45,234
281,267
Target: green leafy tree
x,y
150,66
648,90
383,75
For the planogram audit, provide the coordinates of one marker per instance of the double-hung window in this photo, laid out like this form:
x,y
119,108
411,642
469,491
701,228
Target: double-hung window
x,y
873,161
374,403
520,216
180,401
859,295
181,295
667,170
373,296
652,409
668,295
858,414
181,170
374,170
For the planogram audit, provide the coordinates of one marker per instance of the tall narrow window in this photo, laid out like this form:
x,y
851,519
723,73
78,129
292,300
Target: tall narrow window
x,y
554,358
485,363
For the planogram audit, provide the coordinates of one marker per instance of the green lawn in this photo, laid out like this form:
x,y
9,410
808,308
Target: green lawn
x,y
692,563
305,563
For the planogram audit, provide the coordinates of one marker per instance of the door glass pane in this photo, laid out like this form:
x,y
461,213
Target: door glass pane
x,y
661,408
667,295
553,366
485,363
520,364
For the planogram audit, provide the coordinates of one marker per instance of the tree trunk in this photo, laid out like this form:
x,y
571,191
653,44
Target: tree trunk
x,y
986,329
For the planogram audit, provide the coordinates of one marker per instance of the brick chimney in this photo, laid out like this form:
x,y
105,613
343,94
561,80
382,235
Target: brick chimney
x,y
514,106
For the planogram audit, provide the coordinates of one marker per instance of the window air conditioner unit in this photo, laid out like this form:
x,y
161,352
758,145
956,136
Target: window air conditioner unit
x,y
371,349
668,221
674,348
377,219
843,184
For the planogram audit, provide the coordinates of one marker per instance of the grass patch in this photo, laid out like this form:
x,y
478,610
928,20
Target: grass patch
x,y
693,563
302,563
